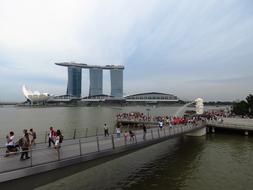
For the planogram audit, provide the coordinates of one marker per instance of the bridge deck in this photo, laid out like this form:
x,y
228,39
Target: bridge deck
x,y
234,126
83,149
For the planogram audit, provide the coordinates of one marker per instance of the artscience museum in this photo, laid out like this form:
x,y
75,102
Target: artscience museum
x,y
34,97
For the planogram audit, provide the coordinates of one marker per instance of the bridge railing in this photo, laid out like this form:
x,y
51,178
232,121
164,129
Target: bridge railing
x,y
40,155
42,136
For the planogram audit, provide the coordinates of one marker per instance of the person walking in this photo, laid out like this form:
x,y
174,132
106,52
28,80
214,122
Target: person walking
x,y
58,139
51,136
106,130
160,124
144,131
131,133
34,136
126,136
118,132
25,145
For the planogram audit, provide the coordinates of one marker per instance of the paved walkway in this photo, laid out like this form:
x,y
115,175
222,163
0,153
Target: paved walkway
x,y
232,123
41,154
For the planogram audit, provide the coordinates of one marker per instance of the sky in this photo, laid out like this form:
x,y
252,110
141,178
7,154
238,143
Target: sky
x,y
187,48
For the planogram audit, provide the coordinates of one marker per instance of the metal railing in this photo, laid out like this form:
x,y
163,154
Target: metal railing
x,y
77,147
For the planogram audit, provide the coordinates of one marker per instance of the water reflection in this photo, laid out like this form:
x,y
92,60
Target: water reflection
x,y
214,162
142,169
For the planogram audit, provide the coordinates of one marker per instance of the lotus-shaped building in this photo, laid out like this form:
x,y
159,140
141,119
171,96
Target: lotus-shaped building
x,y
35,97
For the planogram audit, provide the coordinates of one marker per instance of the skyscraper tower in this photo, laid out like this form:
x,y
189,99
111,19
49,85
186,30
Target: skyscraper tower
x,y
117,82
96,81
74,81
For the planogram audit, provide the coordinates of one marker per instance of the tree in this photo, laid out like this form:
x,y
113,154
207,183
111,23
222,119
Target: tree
x,y
249,99
241,108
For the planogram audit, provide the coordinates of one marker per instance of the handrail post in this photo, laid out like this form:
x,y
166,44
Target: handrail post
x,y
31,155
113,145
80,147
86,132
135,138
152,134
46,137
164,131
158,133
98,144
125,140
74,136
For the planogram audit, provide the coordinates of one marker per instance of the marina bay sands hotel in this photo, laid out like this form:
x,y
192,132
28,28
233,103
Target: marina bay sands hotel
x,y
74,86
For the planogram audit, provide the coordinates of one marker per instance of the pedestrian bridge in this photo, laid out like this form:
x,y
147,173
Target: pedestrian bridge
x,y
74,151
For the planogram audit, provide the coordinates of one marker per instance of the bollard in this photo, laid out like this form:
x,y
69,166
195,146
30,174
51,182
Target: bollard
x,y
113,145
135,138
158,133
74,136
98,144
86,132
152,134
246,133
80,147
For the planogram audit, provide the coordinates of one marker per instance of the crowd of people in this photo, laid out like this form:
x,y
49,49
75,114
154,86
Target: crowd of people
x,y
161,120
133,116
28,141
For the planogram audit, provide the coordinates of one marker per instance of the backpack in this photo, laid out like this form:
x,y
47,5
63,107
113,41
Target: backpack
x,y
61,139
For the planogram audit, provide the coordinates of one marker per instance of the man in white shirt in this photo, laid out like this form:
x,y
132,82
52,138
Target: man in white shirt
x,y
106,130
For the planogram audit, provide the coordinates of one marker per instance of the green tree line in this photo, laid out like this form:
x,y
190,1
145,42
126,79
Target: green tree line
x,y
244,107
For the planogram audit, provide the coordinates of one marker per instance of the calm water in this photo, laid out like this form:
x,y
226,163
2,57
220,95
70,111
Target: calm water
x,y
66,118
207,163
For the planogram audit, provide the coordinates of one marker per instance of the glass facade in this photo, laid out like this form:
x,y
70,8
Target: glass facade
x,y
116,82
74,81
96,82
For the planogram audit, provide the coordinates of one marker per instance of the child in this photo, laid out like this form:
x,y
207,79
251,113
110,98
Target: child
x,y
126,136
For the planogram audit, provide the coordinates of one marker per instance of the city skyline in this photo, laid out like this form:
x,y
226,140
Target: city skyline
x,y
187,48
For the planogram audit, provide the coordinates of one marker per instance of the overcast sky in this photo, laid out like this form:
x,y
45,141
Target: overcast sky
x,y
189,48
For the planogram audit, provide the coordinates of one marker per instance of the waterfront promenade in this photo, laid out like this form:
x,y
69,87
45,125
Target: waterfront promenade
x,y
84,149
239,124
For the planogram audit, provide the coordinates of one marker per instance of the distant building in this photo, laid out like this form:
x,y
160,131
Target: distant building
x,y
96,82
154,97
74,81
117,82
35,97
96,79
